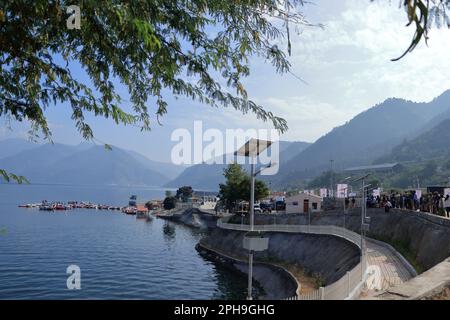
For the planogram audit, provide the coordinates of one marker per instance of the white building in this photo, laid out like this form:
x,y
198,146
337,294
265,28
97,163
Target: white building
x,y
303,203
208,202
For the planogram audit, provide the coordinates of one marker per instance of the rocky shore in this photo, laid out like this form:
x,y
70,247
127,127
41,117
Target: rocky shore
x,y
192,217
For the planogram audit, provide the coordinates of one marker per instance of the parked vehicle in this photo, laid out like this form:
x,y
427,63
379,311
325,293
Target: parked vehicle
x,y
280,206
267,207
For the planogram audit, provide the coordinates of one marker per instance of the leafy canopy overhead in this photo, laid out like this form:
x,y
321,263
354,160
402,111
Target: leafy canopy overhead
x,y
424,14
195,48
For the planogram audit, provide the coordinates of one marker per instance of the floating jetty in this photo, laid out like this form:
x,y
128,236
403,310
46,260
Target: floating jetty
x,y
133,208
60,206
140,210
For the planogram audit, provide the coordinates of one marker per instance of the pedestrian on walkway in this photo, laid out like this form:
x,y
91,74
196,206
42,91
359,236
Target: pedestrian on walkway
x,y
447,205
387,206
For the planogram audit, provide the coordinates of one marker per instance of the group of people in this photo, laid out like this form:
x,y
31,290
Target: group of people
x,y
432,202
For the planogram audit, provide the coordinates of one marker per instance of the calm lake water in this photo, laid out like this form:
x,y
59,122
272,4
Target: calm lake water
x,y
119,257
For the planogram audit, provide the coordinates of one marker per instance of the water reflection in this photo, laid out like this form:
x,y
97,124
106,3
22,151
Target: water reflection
x,y
169,231
231,283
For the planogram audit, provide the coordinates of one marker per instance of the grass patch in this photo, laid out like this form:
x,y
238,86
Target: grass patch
x,y
403,248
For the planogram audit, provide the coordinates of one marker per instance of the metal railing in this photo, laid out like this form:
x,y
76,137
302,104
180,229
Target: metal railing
x,y
344,288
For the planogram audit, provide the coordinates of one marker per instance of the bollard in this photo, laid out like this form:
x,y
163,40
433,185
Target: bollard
x,y
348,283
322,293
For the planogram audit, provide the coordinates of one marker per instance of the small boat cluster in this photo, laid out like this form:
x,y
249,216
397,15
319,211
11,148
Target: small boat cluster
x,y
133,207
56,206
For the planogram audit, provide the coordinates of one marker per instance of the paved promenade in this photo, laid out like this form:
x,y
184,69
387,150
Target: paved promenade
x,y
392,270
389,269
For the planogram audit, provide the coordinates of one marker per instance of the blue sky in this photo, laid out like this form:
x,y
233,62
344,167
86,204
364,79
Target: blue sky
x,y
346,66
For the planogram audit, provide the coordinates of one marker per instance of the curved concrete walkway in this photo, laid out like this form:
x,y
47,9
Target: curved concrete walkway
x,y
393,270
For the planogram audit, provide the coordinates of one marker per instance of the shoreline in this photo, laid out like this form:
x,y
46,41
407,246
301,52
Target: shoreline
x,y
279,276
276,281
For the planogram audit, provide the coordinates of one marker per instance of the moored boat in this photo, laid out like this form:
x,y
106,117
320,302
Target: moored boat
x,y
141,211
59,206
46,207
129,210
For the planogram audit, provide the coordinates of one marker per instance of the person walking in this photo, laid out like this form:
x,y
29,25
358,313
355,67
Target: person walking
x,y
387,206
447,205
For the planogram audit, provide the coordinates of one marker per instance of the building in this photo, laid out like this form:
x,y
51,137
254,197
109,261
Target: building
x,y
133,201
141,208
384,167
154,204
303,203
438,189
209,202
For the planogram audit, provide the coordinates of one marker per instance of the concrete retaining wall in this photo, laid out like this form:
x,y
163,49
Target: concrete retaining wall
x,y
328,256
277,282
424,286
425,236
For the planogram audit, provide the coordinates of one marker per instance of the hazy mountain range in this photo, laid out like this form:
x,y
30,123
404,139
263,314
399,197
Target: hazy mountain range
x,y
82,164
209,176
431,144
394,130
369,136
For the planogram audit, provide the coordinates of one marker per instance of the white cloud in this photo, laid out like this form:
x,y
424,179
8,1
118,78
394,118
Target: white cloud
x,y
346,65
348,69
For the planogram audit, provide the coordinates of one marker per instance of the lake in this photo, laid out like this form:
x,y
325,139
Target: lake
x,y
119,256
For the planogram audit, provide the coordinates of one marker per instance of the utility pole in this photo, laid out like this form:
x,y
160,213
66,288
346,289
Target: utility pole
x,y
363,210
363,214
331,179
252,149
252,193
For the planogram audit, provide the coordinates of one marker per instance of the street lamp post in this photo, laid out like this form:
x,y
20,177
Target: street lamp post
x,y
252,193
345,196
252,149
363,211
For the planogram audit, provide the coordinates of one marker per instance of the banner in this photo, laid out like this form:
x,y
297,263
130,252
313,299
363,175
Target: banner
x,y
376,192
419,193
342,190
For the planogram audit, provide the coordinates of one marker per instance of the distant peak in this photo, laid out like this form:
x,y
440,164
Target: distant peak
x,y
443,96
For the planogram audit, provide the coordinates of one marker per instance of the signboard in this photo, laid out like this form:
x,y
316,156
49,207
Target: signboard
x,y
419,193
376,192
342,190
446,191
